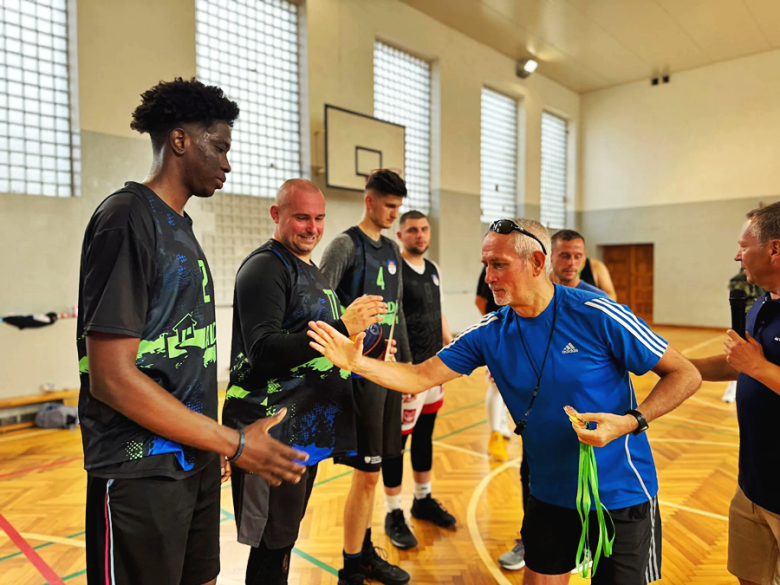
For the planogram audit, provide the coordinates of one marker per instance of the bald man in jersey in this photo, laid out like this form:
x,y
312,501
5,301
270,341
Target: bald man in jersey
x,y
278,290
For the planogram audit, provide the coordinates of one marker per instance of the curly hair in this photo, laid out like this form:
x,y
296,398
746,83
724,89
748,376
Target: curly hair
x,y
172,103
386,182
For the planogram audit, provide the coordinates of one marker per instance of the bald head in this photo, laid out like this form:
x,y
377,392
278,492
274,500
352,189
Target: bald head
x,y
292,187
299,214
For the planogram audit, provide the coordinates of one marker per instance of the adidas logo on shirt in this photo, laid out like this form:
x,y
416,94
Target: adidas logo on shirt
x,y
570,349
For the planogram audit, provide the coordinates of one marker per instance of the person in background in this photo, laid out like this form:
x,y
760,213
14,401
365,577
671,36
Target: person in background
x,y
497,412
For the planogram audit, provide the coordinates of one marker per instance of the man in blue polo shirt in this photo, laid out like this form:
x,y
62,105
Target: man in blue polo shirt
x,y
754,515
552,346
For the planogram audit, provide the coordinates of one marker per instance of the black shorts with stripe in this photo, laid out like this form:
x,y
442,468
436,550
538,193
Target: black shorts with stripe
x,y
551,537
154,529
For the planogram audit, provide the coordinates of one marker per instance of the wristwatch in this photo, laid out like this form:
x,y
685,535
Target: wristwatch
x,y
643,426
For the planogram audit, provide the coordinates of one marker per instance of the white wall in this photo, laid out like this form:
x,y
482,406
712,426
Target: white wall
x,y
678,165
41,237
710,134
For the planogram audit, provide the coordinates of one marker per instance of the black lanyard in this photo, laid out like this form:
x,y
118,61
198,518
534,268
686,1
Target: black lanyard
x,y
521,425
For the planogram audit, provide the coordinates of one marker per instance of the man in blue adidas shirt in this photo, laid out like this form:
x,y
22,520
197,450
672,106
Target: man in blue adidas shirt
x,y
548,347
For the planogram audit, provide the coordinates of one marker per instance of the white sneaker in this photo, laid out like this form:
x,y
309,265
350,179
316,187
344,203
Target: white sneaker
x,y
730,395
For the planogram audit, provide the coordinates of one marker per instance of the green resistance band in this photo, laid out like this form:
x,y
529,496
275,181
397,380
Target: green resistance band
x,y
588,482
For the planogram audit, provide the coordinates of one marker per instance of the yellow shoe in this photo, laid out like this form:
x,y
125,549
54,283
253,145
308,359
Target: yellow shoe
x,y
496,447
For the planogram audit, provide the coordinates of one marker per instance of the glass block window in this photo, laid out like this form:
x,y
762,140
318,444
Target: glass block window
x,y
402,95
249,48
498,157
553,195
40,151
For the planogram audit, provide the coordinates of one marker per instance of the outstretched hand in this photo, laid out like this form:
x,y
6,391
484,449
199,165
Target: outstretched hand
x,y
608,428
339,350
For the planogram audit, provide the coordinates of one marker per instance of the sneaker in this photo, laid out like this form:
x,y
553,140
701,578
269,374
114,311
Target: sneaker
x,y
496,447
513,560
398,531
355,579
432,511
730,395
378,569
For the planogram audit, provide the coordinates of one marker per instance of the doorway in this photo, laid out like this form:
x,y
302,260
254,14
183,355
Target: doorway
x,y
631,268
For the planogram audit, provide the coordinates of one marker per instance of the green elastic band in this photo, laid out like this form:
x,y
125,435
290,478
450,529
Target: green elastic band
x,y
588,482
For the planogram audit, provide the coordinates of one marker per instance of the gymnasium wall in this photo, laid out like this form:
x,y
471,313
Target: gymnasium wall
x,y
678,165
126,47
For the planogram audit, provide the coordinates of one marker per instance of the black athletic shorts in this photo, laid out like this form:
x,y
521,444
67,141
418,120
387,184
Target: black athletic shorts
x,y
154,529
551,535
378,417
271,514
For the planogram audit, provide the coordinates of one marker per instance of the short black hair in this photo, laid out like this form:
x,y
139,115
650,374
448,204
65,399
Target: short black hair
x,y
169,104
566,236
386,182
413,214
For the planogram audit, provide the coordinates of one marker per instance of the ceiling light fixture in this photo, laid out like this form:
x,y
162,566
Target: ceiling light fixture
x,y
525,68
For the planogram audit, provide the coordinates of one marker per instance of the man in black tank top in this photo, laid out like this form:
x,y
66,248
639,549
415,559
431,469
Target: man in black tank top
x,y
428,333
357,262
278,291
593,272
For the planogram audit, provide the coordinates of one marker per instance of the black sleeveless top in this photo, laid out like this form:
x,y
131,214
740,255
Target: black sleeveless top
x,y
422,309
586,274
320,417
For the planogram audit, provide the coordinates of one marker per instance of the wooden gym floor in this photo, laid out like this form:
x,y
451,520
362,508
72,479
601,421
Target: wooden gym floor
x,y
42,486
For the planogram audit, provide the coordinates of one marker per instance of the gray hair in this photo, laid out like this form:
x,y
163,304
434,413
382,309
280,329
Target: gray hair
x,y
526,246
765,223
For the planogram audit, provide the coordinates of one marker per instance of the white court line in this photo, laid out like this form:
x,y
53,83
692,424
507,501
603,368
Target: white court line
x,y
695,511
471,521
14,437
693,348
700,423
462,450
709,404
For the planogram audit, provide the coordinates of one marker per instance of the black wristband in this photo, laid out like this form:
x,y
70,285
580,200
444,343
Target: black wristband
x,y
643,426
241,443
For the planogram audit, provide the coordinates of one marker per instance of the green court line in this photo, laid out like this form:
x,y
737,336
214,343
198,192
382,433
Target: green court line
x,y
449,412
453,433
73,575
316,562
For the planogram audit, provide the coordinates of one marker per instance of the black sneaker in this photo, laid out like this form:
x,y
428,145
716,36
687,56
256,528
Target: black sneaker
x,y
398,531
431,510
378,569
354,579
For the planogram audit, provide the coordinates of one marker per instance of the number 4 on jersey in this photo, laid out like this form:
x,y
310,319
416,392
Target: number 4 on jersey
x,y
380,278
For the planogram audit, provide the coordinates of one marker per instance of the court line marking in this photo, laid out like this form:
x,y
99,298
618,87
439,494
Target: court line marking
x,y
694,510
55,539
708,404
734,429
471,521
45,570
39,467
693,348
462,450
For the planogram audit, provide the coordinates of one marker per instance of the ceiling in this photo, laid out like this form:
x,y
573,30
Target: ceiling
x,y
592,44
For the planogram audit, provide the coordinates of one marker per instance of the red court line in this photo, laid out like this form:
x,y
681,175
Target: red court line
x,y
47,466
30,553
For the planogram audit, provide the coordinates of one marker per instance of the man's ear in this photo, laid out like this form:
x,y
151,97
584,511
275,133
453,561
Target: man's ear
x,y
179,141
774,250
275,213
538,259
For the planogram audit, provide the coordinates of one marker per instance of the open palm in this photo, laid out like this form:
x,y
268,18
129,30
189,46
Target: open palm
x,y
339,350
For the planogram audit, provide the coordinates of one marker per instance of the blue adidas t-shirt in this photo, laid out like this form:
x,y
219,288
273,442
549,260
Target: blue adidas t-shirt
x,y
596,343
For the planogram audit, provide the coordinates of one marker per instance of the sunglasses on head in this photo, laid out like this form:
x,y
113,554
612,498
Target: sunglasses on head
x,y
507,226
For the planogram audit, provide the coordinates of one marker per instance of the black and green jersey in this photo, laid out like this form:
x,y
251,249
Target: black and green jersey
x,y
144,275
272,364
